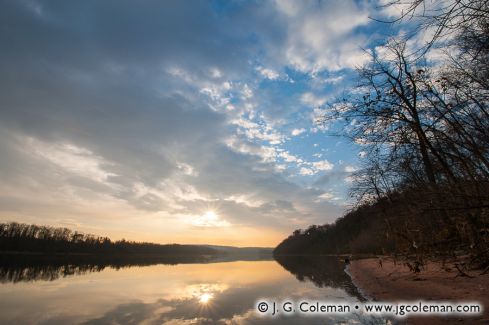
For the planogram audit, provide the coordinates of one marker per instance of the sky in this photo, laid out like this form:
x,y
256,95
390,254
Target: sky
x,y
178,121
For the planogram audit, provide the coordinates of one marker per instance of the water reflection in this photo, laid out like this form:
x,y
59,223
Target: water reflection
x,y
20,268
209,293
323,271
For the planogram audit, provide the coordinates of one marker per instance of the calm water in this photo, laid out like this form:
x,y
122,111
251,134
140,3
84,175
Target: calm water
x,y
205,293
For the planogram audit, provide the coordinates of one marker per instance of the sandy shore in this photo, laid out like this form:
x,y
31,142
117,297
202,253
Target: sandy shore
x,y
393,283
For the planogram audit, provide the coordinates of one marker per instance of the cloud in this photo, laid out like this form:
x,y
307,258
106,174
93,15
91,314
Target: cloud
x,y
323,165
268,73
288,157
135,118
306,171
337,176
313,100
315,167
326,38
296,132
209,219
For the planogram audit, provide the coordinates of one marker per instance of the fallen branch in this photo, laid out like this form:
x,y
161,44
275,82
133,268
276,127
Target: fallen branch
x,y
461,272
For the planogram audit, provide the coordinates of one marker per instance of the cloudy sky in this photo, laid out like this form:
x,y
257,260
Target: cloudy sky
x,y
177,121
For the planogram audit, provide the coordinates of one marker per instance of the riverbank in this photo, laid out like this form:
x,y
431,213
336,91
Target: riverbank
x,y
394,282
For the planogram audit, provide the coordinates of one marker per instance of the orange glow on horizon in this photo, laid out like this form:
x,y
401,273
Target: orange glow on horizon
x,y
145,229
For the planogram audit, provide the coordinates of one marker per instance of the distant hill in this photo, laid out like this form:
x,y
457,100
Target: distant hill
x,y
18,238
257,251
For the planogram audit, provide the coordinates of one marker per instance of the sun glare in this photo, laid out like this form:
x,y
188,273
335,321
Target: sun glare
x,y
210,216
209,219
205,298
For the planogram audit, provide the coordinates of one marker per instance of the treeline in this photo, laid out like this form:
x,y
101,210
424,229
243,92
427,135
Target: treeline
x,y
19,237
423,125
361,231
50,267
401,224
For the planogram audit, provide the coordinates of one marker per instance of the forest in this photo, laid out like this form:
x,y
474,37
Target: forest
x,y
421,118
24,238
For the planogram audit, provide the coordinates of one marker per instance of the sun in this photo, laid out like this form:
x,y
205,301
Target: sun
x,y
209,219
205,298
210,216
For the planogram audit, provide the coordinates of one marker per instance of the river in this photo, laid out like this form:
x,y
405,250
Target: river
x,y
190,293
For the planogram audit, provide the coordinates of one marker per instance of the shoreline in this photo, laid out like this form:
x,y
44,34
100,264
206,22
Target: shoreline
x,y
394,282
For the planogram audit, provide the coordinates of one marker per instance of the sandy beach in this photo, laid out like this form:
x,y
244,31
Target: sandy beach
x,y
394,282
